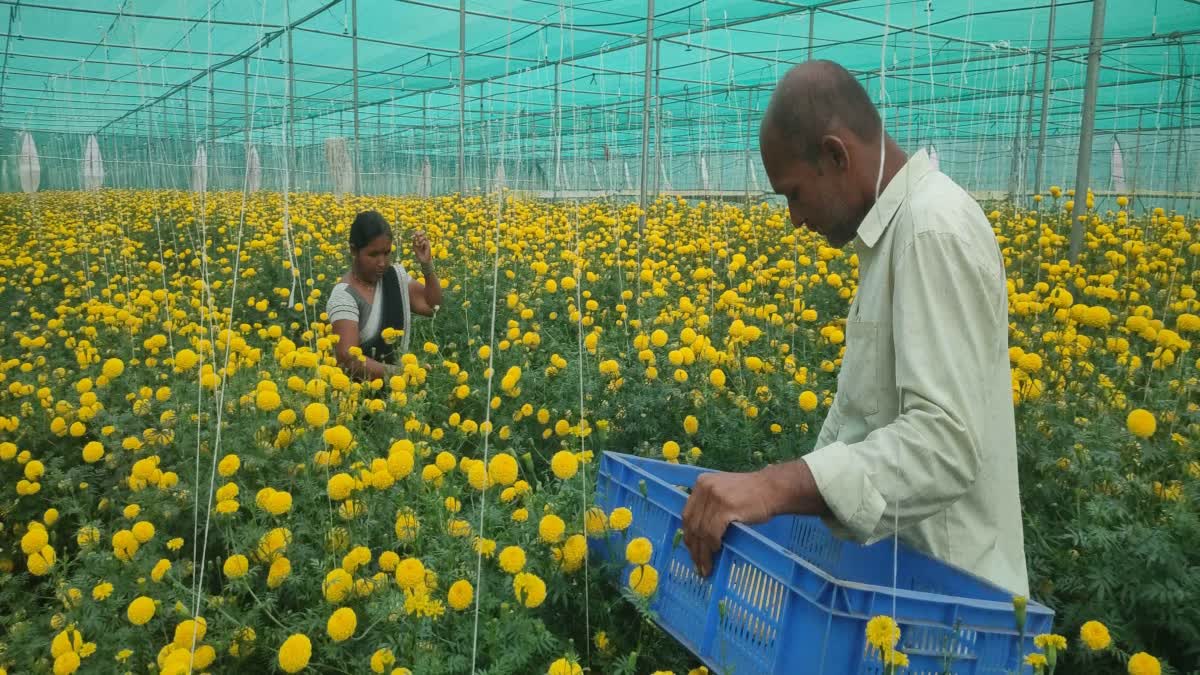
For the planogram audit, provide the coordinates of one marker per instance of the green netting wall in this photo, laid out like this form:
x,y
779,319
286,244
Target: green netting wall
x,y
554,92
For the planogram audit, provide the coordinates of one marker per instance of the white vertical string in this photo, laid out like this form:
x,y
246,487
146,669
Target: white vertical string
x,y
491,372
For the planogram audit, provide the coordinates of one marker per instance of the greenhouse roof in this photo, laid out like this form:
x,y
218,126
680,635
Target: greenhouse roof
x,y
951,69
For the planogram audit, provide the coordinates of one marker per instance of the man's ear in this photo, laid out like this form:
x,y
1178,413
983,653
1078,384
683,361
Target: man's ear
x,y
833,150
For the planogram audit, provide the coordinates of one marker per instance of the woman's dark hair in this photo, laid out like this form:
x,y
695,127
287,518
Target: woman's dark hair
x,y
367,226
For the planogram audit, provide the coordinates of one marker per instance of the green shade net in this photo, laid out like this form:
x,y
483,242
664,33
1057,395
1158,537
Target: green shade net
x,y
554,92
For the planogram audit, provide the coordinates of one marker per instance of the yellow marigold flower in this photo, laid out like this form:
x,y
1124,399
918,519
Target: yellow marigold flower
x,y
1142,663
691,425
125,545
520,515
717,378
175,544
461,595
595,522
883,633
341,624
229,465
316,415
529,589
639,551
267,400
1048,641
93,452
512,559
410,573
67,663
340,486
187,631
140,611
236,566
564,464
338,437
564,667
620,519
1141,423
101,591
113,368
551,529
670,451
1095,635
160,569
280,569
337,586
295,653
643,580
381,660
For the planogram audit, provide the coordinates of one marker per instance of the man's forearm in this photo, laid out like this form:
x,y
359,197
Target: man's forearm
x,y
790,488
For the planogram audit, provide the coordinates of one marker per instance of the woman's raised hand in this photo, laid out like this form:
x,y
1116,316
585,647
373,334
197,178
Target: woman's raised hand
x,y
421,248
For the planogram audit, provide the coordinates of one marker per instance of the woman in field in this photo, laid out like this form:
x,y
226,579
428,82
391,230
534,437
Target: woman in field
x,y
375,295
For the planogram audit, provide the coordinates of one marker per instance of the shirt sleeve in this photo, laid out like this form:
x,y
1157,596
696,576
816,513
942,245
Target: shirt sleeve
x,y
341,306
946,325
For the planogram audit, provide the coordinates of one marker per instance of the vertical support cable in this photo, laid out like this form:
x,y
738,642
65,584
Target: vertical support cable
x,y
1047,78
1083,165
812,20
462,95
647,76
354,77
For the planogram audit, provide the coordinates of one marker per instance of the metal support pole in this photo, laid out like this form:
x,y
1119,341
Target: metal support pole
x,y
462,95
484,175
246,105
1047,78
1016,145
1183,89
647,75
1137,154
212,112
187,114
354,77
658,143
812,20
1028,135
746,159
291,112
1083,166
557,134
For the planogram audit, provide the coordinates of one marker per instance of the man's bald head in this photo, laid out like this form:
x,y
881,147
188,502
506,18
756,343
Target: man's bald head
x,y
816,98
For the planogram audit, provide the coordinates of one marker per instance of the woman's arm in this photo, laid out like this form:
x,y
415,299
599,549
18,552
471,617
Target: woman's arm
x,y
355,367
423,298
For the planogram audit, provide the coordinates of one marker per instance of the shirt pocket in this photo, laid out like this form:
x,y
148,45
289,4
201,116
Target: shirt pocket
x,y
858,381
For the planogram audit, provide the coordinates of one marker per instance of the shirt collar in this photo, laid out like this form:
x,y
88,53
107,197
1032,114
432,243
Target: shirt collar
x,y
894,194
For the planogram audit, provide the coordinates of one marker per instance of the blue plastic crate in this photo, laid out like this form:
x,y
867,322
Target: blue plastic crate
x,y
787,597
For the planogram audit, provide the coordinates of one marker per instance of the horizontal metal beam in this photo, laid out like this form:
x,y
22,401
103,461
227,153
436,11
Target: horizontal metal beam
x,y
261,43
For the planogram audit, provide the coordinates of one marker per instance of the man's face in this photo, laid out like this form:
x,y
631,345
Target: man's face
x,y
820,195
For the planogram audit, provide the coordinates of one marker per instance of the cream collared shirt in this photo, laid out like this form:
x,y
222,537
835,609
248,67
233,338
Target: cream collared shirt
x,y
921,428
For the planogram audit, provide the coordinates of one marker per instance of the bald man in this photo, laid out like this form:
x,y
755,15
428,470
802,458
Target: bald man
x,y
920,438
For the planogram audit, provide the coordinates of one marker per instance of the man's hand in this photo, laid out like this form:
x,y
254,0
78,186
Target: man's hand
x,y
421,248
717,500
